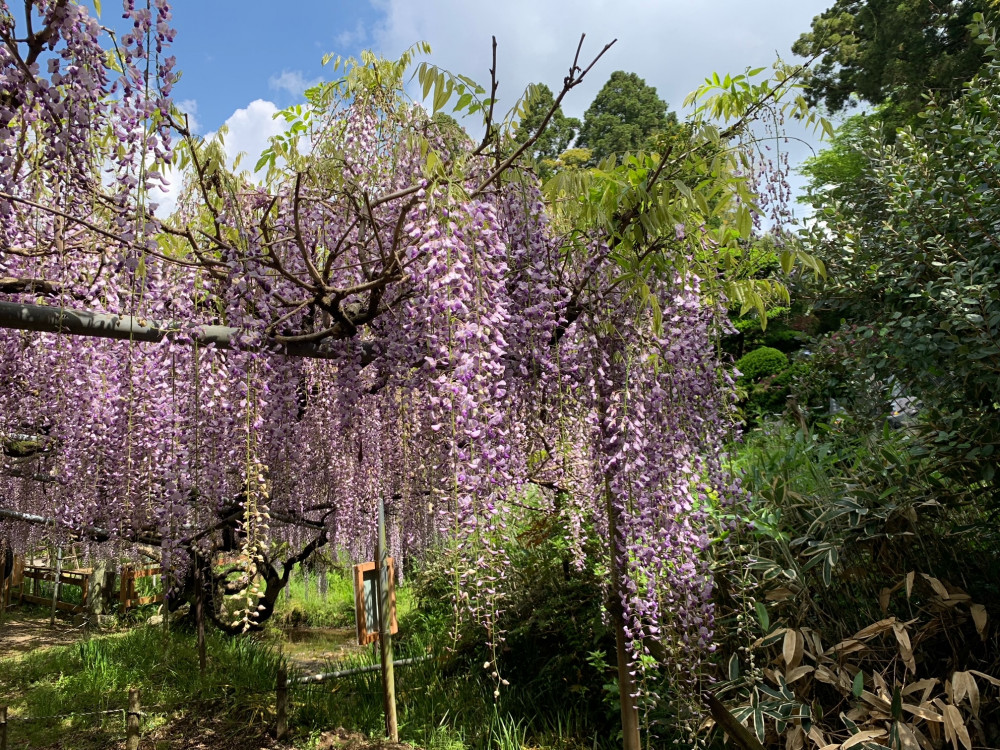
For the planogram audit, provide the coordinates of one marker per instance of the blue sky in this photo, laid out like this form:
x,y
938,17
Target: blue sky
x,y
244,59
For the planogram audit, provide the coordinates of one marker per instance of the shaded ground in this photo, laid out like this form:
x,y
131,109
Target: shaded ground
x,y
23,630
310,650
341,739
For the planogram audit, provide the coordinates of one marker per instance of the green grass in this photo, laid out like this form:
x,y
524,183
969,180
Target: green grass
x,y
96,674
444,703
305,605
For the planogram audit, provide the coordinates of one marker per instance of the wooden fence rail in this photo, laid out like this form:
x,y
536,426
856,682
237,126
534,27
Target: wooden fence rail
x,y
39,573
128,597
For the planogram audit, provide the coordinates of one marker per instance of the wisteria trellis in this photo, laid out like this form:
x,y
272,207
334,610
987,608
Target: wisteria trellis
x,y
472,360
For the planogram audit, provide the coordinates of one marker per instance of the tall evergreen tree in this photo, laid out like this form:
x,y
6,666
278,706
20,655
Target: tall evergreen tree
x,y
625,116
893,52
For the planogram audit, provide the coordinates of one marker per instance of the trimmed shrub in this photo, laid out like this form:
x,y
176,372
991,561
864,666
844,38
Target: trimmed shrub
x,y
759,364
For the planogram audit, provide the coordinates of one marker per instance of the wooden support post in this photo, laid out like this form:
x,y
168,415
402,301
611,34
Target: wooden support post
x,y
384,627
199,615
3,728
281,704
626,681
132,721
123,594
56,587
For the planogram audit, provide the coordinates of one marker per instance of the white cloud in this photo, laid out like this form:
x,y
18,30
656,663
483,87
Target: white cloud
x,y
166,199
190,108
292,82
249,131
673,45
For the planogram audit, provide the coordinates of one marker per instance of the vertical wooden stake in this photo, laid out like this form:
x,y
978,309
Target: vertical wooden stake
x,y
199,615
132,721
384,628
3,728
281,704
55,589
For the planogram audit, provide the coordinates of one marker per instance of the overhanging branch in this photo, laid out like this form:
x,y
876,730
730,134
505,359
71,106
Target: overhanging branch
x,y
48,319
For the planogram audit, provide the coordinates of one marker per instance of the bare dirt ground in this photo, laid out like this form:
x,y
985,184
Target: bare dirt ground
x,y
23,631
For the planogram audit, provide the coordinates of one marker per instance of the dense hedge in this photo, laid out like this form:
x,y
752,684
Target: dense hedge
x,y
760,363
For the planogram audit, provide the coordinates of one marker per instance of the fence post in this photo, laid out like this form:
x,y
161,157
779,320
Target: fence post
x,y
382,584
57,583
3,728
281,704
132,720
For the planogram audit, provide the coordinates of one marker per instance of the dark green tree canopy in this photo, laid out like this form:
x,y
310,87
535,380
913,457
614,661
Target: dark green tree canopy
x,y
558,134
839,172
916,256
892,51
626,116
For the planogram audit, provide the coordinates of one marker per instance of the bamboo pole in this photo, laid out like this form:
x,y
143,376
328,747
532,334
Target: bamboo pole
x,y
626,680
56,587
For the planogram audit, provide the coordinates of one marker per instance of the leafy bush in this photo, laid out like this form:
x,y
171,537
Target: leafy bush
x,y
771,394
829,605
760,363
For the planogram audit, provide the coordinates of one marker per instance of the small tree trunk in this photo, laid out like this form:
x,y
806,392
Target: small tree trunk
x,y
132,722
626,682
281,704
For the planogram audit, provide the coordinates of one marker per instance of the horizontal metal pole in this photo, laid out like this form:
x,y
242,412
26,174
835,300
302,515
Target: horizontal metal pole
x,y
356,670
46,319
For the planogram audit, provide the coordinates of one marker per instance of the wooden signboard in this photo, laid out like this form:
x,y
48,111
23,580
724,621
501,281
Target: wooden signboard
x,y
365,610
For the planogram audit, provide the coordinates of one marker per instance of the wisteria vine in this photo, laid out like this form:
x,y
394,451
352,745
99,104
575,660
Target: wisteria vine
x,y
469,360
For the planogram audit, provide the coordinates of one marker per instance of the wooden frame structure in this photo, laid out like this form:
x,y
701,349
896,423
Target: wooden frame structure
x,y
366,636
37,573
7,584
127,597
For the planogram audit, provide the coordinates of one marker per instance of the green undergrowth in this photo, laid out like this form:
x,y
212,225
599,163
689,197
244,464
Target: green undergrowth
x,y
323,601
442,703
57,690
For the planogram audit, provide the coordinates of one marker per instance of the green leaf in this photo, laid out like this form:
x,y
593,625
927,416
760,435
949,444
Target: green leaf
x,y
734,667
762,617
858,686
